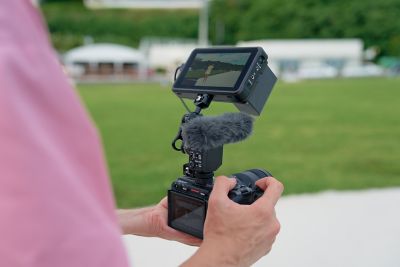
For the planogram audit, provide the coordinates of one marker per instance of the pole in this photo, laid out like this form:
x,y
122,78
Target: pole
x,y
203,24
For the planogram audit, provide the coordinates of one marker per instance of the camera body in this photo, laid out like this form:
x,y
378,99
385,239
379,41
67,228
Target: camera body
x,y
188,196
237,75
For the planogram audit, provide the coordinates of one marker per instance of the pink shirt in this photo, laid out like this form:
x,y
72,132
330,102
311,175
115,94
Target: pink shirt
x,y
56,206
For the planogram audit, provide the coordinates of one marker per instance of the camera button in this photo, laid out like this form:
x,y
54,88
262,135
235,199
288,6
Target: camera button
x,y
245,191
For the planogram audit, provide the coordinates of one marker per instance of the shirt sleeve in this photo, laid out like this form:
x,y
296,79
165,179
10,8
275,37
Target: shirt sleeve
x,y
56,203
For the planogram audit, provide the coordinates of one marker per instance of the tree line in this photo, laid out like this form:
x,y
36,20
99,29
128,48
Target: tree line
x,y
377,23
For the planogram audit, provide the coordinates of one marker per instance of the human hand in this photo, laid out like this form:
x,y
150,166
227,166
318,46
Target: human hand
x,y
152,222
238,235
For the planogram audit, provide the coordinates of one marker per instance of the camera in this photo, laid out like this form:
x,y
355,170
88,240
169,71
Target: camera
x,y
237,75
187,200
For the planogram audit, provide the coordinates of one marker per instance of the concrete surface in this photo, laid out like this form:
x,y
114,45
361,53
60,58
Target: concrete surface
x,y
329,229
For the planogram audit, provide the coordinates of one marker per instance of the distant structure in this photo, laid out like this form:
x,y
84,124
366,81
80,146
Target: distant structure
x,y
164,55
105,62
157,59
316,58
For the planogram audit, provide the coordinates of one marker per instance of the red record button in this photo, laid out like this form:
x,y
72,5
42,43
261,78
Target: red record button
x,y
194,190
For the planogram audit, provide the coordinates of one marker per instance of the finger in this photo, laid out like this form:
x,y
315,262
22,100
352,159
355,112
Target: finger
x,y
164,202
183,238
261,183
223,185
272,191
191,241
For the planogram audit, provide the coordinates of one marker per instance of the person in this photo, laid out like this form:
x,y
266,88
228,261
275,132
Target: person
x,y
208,72
56,205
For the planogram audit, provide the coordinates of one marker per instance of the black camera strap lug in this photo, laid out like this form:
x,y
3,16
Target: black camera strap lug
x,y
176,139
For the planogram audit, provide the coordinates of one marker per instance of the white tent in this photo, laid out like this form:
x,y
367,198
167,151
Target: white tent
x,y
95,55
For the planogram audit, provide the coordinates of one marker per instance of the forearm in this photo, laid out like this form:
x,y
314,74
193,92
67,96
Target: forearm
x,y
135,221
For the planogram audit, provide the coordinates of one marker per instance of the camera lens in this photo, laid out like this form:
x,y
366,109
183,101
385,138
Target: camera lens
x,y
249,177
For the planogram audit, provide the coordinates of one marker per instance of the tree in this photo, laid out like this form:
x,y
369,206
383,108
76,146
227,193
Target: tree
x,y
375,22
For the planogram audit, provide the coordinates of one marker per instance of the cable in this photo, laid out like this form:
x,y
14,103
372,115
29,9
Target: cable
x,y
175,77
184,104
176,71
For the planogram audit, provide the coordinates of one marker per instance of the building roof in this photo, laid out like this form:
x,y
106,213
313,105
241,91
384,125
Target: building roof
x,y
169,4
169,55
310,48
106,53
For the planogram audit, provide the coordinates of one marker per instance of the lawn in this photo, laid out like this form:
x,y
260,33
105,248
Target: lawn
x,y
313,136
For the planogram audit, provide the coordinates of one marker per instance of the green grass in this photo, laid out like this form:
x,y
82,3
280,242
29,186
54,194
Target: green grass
x,y
314,135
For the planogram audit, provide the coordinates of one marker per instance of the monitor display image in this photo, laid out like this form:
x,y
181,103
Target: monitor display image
x,y
215,70
188,212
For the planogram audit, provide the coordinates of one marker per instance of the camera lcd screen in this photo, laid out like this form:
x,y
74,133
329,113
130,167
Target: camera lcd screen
x,y
211,69
188,213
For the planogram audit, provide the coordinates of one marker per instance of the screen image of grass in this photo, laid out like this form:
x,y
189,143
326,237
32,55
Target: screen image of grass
x,y
220,63
312,135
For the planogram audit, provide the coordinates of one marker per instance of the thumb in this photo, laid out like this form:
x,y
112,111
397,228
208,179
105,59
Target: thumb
x,y
223,185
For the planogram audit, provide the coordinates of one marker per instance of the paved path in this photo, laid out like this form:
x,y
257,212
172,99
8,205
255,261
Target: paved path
x,y
330,229
226,79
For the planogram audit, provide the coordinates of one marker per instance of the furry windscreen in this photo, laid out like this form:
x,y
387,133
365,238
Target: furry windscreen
x,y
204,133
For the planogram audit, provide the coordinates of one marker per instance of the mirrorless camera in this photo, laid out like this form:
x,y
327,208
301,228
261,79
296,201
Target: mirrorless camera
x,y
237,75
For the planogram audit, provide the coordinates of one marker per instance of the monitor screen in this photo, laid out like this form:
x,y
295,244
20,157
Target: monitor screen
x,y
215,70
188,213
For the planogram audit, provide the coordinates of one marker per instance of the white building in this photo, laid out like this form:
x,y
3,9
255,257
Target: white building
x,y
105,61
164,55
314,58
169,55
